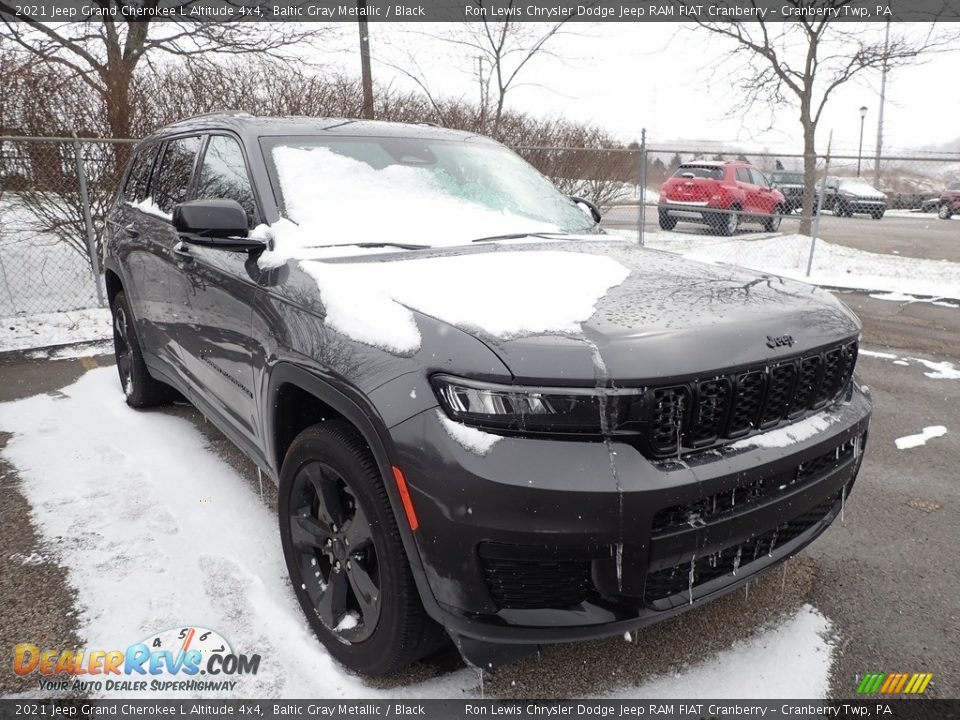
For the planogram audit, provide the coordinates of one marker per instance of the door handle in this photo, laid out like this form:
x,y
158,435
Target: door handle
x,y
131,231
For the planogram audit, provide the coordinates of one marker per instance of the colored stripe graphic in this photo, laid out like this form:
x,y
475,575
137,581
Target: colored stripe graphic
x,y
894,683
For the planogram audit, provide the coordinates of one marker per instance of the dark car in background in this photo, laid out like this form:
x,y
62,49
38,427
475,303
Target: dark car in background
x,y
791,184
949,201
846,197
487,419
720,195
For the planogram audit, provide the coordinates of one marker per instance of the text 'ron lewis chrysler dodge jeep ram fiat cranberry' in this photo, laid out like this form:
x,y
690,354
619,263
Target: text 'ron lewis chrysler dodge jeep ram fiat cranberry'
x,y
488,420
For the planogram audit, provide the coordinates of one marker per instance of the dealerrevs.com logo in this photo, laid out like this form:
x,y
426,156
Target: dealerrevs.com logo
x,y
186,659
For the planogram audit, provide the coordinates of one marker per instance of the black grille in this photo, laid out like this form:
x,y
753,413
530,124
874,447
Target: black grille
x,y
669,406
701,413
706,509
750,387
689,575
713,403
528,582
783,379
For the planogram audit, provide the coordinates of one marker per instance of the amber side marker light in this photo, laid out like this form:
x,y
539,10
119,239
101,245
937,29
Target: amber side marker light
x,y
405,497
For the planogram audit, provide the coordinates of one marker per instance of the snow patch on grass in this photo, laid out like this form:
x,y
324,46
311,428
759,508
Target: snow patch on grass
x,y
23,332
921,438
789,661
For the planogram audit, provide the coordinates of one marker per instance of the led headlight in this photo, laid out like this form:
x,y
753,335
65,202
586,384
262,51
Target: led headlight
x,y
534,409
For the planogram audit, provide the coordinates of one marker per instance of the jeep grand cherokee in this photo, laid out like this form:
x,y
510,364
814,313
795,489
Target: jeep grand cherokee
x,y
487,418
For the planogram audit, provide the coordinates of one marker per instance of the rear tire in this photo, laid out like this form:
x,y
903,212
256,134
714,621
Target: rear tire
x,y
667,222
842,210
345,556
141,390
944,213
729,223
877,214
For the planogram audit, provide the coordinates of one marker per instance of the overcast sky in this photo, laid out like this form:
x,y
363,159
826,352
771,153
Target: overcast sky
x,y
664,76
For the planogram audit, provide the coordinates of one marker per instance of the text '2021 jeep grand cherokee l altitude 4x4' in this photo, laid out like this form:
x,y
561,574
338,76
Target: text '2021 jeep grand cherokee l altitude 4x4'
x,y
487,419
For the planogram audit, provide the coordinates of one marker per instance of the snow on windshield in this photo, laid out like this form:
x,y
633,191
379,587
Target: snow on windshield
x,y
539,293
332,199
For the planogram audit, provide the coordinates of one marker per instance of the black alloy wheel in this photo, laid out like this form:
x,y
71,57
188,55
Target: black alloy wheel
x,y
345,554
336,554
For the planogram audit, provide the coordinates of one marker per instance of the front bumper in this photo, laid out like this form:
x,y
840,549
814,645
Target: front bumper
x,y
859,205
542,541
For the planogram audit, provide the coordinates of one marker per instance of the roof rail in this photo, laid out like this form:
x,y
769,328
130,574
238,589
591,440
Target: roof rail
x,y
232,113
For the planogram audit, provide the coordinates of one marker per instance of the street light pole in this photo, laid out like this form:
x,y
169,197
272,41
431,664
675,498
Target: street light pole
x,y
863,116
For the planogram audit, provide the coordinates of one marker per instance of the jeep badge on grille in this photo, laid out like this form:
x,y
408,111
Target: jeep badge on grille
x,y
779,341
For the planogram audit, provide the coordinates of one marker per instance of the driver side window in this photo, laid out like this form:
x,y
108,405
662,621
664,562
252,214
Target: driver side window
x,y
223,175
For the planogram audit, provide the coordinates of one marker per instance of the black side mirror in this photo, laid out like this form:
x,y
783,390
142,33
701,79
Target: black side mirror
x,y
216,223
590,205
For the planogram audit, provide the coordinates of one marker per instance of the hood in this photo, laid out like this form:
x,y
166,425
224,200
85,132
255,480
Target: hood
x,y
673,317
566,312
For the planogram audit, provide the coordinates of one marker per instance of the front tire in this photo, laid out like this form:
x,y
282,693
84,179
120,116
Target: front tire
x,y
877,214
141,390
772,224
944,213
345,556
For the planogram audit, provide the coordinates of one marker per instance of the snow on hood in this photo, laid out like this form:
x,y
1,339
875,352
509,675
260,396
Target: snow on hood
x,y
325,193
504,294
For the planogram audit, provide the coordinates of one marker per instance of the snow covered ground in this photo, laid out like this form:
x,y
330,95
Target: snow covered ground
x,y
43,330
833,265
156,531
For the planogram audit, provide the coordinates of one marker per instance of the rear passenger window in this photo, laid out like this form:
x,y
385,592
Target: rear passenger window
x,y
139,178
223,174
171,179
743,175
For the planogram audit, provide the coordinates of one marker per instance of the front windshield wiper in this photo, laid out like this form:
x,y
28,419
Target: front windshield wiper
x,y
517,236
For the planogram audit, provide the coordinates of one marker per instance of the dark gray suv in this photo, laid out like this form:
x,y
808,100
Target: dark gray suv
x,y
487,418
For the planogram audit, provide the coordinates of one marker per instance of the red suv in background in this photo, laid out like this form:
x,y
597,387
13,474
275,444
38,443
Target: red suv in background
x,y
950,201
721,195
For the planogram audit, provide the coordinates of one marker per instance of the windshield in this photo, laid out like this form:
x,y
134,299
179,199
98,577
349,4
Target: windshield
x,y
702,171
412,190
790,178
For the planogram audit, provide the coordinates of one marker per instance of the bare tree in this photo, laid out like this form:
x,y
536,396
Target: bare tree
x,y
802,62
495,54
105,54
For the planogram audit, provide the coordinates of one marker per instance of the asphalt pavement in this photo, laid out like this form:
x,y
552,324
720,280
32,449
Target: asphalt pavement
x,y
886,575
917,235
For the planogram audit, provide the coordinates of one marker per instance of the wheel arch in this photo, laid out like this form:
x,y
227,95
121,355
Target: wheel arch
x,y
289,384
114,284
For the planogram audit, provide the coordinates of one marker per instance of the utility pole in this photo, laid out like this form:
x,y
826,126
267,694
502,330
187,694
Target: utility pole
x,y
883,95
366,78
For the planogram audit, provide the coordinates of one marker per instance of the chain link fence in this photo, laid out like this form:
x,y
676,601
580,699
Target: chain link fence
x,y
741,208
54,194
